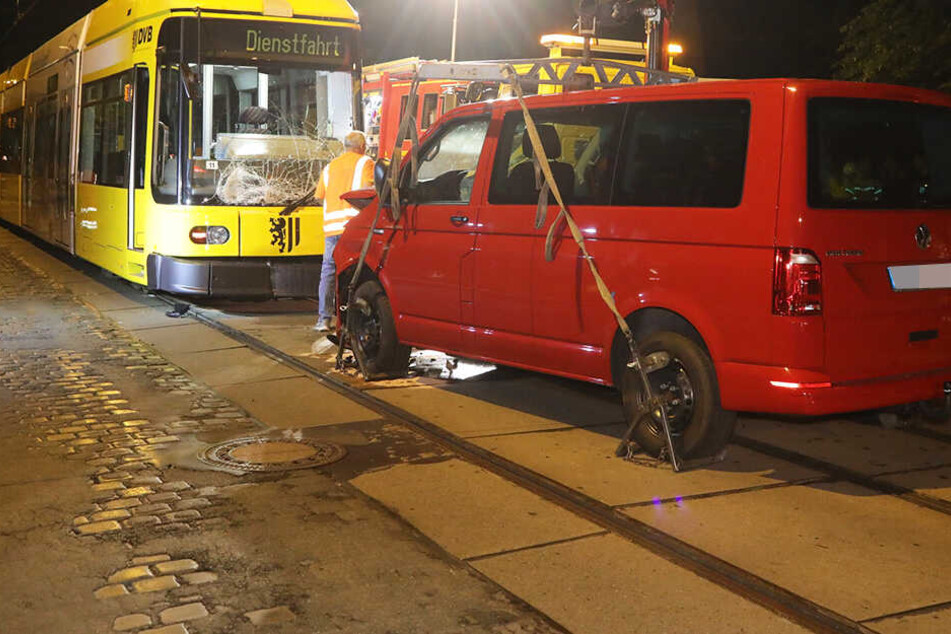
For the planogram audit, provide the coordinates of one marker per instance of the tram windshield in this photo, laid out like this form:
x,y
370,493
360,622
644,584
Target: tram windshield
x,y
261,110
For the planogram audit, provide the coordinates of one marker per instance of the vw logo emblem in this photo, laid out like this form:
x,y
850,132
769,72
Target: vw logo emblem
x,y
923,236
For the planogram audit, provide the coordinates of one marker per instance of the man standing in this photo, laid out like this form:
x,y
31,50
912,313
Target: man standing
x,y
351,170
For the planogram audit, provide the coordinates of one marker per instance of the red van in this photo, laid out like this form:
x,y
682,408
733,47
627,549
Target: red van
x,y
787,242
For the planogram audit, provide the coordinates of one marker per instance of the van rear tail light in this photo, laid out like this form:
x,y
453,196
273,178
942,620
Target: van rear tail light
x,y
209,235
797,283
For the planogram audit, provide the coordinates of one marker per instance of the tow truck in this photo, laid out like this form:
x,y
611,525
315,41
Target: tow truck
x,y
568,66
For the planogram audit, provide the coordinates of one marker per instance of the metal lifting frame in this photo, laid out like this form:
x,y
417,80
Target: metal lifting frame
x,y
493,71
504,72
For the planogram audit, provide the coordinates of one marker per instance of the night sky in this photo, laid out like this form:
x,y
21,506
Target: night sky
x,y
722,38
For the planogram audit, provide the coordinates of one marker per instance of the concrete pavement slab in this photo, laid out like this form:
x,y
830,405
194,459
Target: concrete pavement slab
x,y
867,449
85,287
933,482
295,402
67,274
464,416
233,365
290,333
925,622
563,400
469,511
606,585
851,549
584,459
294,340
145,317
184,336
111,301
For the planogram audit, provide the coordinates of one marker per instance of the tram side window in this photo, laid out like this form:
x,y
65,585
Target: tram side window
x,y
44,144
105,132
11,140
167,122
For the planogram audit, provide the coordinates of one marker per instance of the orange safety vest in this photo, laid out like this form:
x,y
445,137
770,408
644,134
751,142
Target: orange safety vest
x,y
343,174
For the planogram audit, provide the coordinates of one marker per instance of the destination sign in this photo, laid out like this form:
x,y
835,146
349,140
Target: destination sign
x,y
230,40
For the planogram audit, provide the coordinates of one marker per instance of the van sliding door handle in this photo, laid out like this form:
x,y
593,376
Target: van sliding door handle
x,y
458,220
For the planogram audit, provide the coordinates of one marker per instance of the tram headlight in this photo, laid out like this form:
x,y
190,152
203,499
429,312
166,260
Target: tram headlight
x,y
218,235
213,234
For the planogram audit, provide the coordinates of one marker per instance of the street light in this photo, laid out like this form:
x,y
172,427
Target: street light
x,y
455,24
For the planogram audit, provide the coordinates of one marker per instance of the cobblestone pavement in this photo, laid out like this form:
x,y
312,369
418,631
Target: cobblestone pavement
x,y
109,523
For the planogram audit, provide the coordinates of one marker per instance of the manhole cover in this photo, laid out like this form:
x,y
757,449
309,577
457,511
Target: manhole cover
x,y
263,454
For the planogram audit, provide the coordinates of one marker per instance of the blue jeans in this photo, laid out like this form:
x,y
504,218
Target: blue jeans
x,y
328,280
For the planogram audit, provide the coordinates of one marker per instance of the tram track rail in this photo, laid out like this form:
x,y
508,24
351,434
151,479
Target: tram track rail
x,y
838,472
765,593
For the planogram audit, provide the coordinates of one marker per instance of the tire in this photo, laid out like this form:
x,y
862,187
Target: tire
x,y
699,425
373,333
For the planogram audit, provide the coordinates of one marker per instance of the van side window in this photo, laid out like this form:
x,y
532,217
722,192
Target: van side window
x,y
447,163
581,146
684,154
876,154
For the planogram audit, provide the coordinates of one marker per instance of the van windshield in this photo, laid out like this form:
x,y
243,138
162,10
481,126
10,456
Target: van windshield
x,y
874,154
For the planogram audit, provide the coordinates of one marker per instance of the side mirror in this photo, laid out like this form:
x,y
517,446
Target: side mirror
x,y
380,170
359,198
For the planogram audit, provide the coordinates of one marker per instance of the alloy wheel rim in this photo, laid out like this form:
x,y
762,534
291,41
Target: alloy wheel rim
x,y
675,389
368,329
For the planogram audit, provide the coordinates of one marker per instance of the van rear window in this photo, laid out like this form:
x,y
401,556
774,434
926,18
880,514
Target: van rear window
x,y
874,154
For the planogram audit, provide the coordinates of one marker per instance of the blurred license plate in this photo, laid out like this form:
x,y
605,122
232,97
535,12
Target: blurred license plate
x,y
920,276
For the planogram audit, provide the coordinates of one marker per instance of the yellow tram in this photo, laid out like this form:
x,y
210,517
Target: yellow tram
x,y
160,139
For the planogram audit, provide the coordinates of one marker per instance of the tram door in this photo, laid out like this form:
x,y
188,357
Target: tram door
x,y
138,201
46,188
110,205
63,217
42,186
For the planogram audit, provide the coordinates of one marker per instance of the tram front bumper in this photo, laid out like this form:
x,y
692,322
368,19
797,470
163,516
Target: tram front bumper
x,y
235,277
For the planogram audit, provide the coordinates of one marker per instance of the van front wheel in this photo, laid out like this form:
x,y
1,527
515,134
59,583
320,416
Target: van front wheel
x,y
689,390
373,333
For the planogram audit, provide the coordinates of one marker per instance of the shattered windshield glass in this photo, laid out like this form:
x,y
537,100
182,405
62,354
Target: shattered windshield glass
x,y
246,127
261,138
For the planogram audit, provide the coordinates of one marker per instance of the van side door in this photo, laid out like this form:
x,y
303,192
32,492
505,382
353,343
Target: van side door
x,y
422,271
518,292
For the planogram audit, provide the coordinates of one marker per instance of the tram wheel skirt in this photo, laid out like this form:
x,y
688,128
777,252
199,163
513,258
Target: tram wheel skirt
x,y
235,277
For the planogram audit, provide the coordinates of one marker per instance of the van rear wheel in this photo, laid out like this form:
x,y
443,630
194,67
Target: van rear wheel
x,y
373,333
688,387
